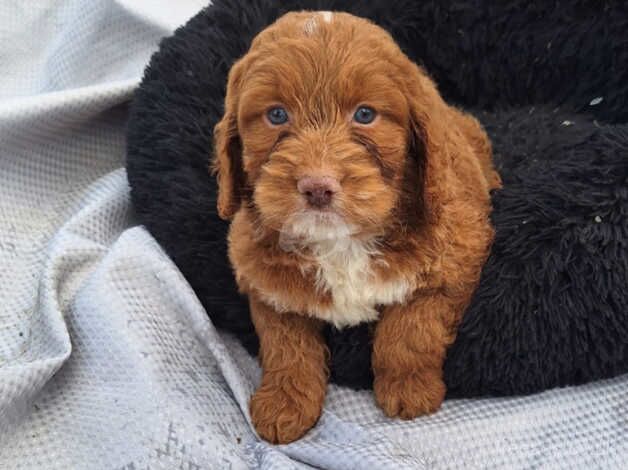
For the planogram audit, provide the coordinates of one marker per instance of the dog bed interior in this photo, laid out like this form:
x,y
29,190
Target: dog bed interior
x,y
549,83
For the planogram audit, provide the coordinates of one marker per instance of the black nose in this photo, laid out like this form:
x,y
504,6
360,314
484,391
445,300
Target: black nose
x,y
318,190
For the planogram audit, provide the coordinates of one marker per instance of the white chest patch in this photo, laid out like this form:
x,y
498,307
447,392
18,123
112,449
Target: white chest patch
x,y
344,270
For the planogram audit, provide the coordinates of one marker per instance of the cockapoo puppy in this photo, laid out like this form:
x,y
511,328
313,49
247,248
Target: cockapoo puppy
x,y
356,194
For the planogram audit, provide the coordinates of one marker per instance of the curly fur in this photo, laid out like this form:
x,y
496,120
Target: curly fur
x,y
413,186
551,308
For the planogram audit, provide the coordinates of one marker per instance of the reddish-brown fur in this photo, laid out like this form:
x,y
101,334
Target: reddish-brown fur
x,y
416,181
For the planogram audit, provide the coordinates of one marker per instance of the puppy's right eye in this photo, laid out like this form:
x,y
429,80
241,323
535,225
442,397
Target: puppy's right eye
x,y
364,115
277,115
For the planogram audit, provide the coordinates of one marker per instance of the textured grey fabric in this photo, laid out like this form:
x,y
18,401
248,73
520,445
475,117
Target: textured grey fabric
x,y
107,359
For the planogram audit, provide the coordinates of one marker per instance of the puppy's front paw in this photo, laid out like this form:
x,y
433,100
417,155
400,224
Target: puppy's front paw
x,y
409,395
284,414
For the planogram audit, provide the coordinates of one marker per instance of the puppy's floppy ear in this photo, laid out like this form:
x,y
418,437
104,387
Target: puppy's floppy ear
x,y
227,160
438,139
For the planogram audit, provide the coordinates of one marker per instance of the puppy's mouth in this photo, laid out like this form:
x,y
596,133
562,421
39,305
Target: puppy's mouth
x,y
309,227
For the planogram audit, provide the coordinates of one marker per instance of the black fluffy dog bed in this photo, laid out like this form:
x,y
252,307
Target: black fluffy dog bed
x,y
549,82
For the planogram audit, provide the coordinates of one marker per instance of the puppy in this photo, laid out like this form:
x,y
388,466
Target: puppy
x,y
356,195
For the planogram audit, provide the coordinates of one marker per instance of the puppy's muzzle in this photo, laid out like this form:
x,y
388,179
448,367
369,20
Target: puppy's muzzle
x,y
319,191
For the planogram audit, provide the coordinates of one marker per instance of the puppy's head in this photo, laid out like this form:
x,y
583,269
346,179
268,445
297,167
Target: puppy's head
x,y
330,130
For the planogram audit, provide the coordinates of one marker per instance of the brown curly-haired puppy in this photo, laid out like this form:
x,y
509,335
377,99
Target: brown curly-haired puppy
x,y
356,194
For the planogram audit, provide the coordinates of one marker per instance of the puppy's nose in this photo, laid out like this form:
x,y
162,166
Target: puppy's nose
x,y
318,190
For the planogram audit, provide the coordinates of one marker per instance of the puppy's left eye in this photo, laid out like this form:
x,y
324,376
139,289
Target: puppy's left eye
x,y
277,115
364,115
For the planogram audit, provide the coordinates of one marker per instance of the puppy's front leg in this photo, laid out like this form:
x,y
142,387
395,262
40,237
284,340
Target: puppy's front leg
x,y
408,354
293,355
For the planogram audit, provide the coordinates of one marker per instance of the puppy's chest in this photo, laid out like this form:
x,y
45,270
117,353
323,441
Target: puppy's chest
x,y
349,275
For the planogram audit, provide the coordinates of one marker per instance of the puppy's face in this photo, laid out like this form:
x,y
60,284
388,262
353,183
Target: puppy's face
x,y
320,129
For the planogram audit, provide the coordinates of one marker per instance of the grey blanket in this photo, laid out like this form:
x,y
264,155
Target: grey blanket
x,y
107,359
